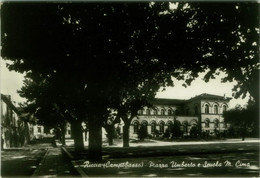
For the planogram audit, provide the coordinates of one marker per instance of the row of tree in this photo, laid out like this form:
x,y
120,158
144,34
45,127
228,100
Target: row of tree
x,y
244,121
99,63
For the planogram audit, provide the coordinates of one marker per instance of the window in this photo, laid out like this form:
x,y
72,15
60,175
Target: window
x,y
207,123
136,127
224,108
155,112
147,111
206,108
153,127
170,127
216,123
144,125
215,109
162,112
193,123
162,127
39,129
142,112
169,112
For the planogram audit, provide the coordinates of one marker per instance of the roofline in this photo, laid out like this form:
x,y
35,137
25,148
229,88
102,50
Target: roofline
x,y
197,97
9,103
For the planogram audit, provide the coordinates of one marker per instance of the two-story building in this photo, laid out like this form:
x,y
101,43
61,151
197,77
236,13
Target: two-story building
x,y
204,111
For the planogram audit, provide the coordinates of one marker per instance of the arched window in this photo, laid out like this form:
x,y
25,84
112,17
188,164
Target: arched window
x,y
215,109
153,127
206,123
176,112
224,108
147,111
193,122
161,127
144,125
216,123
142,112
162,112
169,112
206,108
185,126
155,112
136,127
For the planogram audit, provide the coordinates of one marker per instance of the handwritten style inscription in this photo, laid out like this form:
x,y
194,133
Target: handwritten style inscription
x,y
205,164
172,164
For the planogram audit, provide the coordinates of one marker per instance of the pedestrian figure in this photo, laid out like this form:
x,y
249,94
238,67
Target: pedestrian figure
x,y
2,142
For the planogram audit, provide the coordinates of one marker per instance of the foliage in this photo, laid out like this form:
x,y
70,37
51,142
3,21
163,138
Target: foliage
x,y
194,132
243,120
176,129
97,56
41,102
234,44
142,132
166,133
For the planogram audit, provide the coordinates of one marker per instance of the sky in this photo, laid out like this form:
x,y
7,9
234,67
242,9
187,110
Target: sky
x,y
11,81
198,86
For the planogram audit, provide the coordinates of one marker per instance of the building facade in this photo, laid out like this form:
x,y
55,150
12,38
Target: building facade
x,y
15,132
203,112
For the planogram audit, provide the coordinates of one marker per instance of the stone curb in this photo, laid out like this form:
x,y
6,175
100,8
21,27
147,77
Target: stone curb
x,y
79,170
36,172
74,164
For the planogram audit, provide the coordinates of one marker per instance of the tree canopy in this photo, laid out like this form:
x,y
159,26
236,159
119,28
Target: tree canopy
x,y
244,119
94,55
94,34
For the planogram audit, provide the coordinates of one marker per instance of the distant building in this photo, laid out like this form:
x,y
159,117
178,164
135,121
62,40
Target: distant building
x,y
38,132
15,131
203,112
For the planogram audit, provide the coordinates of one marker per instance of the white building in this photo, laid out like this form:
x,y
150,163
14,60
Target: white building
x,y
204,111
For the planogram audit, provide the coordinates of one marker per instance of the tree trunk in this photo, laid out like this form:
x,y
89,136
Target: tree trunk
x,y
77,135
110,133
126,134
63,132
110,140
95,139
27,138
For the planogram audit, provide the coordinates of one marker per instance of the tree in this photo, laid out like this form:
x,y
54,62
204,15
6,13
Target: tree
x,y
142,133
133,95
44,101
109,125
243,119
194,131
79,41
167,133
83,84
176,130
234,44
